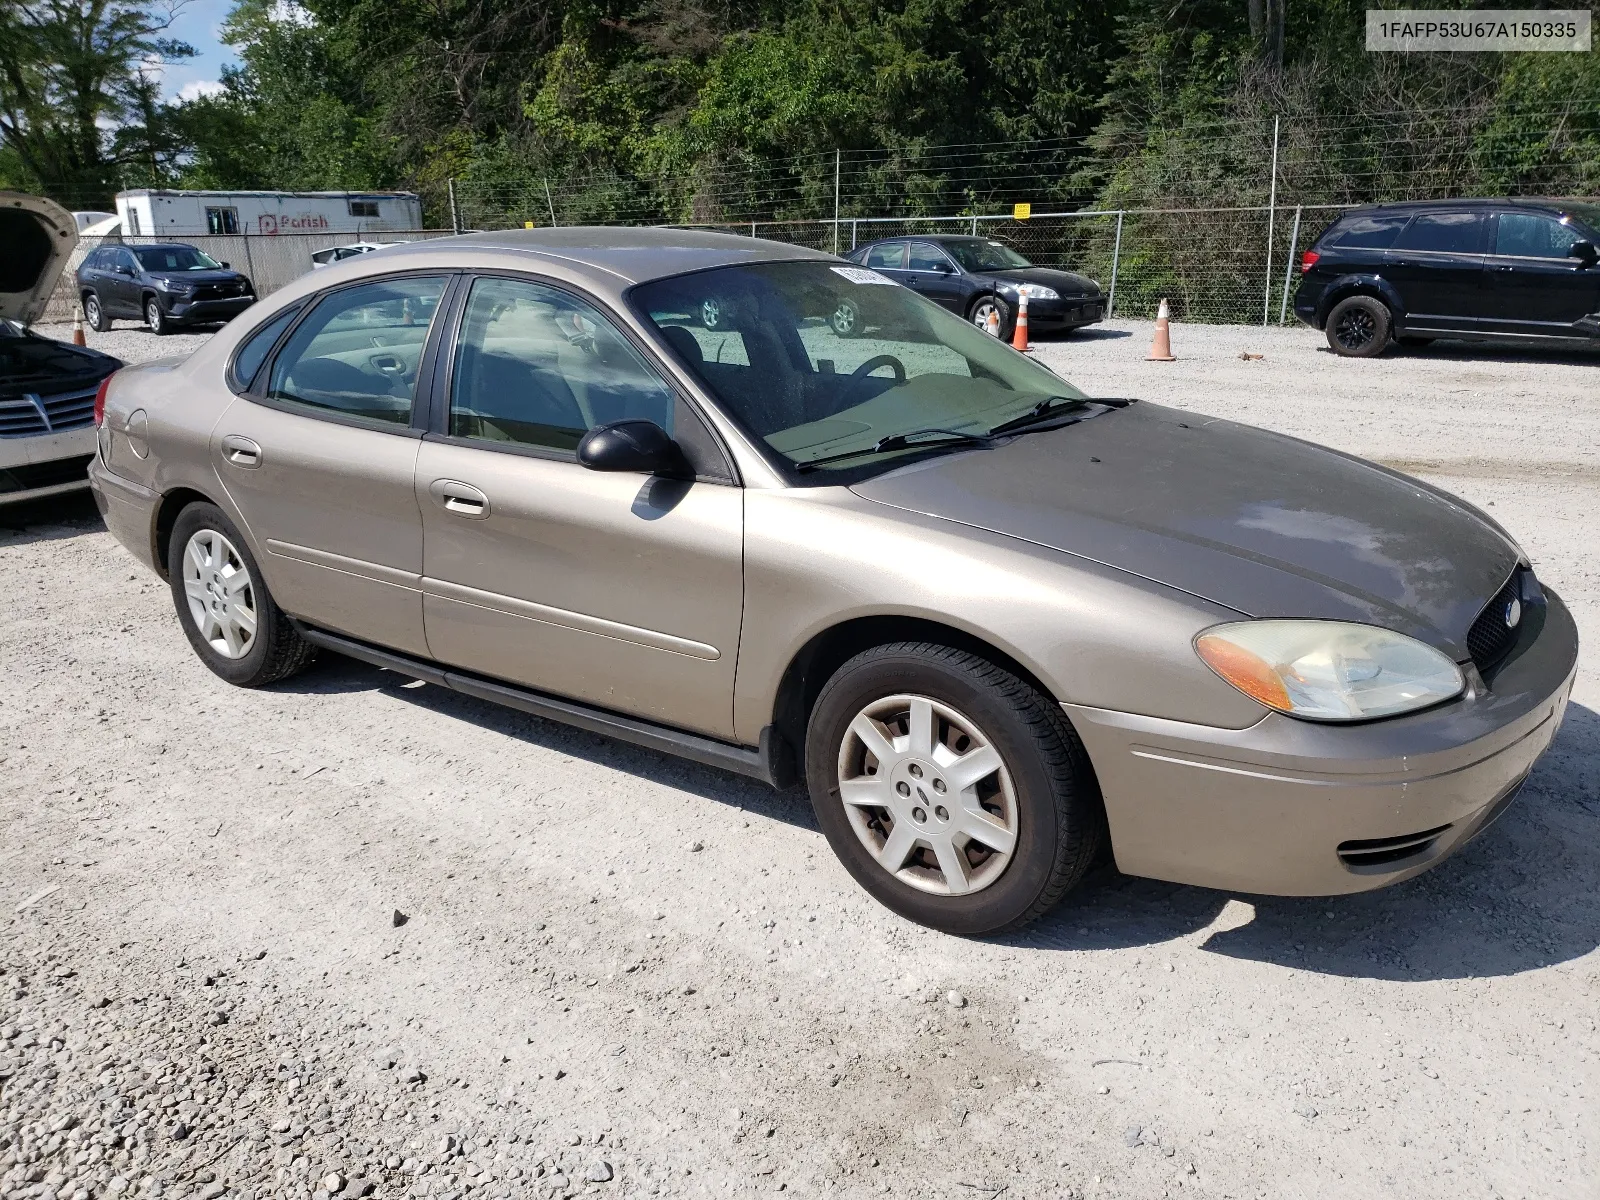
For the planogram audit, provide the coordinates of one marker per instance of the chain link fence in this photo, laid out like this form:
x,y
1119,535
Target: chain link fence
x,y
271,261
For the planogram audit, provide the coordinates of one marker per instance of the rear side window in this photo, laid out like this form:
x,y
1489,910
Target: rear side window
x,y
1445,233
1366,233
257,346
358,352
1529,235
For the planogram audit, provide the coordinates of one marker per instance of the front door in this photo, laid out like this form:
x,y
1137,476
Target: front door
x,y
1533,285
620,590
936,277
1436,263
321,463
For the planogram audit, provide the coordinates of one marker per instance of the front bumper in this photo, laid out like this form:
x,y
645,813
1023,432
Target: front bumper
x,y
44,464
190,312
1067,313
1296,808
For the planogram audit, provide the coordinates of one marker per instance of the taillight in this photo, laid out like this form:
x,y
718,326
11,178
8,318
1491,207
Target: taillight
x,y
1308,260
100,400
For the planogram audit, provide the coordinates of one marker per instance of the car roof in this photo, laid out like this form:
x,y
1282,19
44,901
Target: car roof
x,y
927,237
159,246
1537,202
611,256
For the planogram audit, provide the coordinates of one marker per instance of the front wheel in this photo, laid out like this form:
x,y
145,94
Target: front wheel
x,y
1359,327
952,791
845,320
154,317
985,306
226,612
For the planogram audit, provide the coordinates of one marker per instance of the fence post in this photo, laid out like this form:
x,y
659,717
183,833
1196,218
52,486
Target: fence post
x,y
1288,268
1272,208
455,217
853,227
249,260
752,229
1116,256
974,224
548,201
837,155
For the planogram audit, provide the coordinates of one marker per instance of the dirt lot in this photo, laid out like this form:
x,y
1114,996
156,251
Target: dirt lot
x,y
360,928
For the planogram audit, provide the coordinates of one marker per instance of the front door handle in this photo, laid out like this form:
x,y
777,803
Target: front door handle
x,y
241,451
461,499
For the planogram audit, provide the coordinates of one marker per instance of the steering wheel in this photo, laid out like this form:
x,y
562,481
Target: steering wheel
x,y
859,375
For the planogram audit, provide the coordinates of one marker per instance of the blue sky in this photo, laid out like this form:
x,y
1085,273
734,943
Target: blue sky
x,y
198,23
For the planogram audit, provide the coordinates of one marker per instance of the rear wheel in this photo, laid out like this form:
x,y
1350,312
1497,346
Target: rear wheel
x,y
954,792
1359,327
154,317
94,314
226,612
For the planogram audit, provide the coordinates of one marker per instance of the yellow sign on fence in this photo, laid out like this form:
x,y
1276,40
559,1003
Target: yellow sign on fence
x,y
527,225
1021,212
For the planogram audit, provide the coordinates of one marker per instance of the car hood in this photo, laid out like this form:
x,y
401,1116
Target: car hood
x,y
1264,524
33,364
38,235
1068,283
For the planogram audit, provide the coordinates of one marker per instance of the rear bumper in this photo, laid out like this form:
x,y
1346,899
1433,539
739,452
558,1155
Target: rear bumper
x,y
44,464
128,509
1295,808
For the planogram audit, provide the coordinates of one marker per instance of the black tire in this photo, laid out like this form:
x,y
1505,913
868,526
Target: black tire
x,y
94,314
1359,327
976,309
1411,342
1059,819
154,317
277,650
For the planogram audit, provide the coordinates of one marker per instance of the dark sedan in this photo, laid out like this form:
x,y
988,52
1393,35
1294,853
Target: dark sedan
x,y
975,276
163,286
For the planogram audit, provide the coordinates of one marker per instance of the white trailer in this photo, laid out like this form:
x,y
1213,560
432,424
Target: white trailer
x,y
148,212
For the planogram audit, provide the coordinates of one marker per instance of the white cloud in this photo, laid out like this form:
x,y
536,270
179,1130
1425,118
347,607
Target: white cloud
x,y
197,88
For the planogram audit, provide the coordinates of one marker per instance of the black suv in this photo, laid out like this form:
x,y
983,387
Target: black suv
x,y
976,276
163,286
1459,268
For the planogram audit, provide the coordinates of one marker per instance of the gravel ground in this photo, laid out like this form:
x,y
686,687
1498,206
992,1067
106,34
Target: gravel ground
x,y
357,933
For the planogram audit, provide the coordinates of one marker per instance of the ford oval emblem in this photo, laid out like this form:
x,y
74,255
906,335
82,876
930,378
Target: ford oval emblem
x,y
1513,612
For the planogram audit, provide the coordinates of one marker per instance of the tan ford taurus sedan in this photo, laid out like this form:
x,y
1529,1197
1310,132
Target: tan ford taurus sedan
x,y
998,627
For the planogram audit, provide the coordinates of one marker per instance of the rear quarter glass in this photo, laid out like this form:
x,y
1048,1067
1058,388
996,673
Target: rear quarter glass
x,y
1365,231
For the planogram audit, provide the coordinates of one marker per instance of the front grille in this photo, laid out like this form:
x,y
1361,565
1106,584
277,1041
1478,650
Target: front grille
x,y
33,414
39,475
218,291
1490,638
1379,853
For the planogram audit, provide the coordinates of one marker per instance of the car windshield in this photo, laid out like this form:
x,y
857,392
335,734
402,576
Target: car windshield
x,y
1589,214
980,254
821,360
175,258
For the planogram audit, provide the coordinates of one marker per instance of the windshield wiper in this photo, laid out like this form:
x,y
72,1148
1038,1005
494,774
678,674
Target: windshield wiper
x,y
902,441
1053,407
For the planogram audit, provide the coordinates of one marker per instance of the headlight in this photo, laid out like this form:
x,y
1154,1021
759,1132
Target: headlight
x,y
173,285
1329,670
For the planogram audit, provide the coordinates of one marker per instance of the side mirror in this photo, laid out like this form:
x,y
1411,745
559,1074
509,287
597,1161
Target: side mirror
x,y
1583,251
634,445
945,268
226,265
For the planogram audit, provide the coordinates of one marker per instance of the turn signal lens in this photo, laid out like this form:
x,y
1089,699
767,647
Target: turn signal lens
x,y
1329,670
100,400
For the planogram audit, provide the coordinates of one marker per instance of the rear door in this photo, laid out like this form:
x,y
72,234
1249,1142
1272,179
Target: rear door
x,y
621,590
320,460
121,293
1437,265
1532,286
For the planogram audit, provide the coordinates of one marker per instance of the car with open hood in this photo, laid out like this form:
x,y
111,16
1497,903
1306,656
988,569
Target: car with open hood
x,y
999,628
47,387
980,277
164,284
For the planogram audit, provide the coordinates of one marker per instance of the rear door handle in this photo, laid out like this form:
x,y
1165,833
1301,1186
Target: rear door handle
x,y
241,451
459,498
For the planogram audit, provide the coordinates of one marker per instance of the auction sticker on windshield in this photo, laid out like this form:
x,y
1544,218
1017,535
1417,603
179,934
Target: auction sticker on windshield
x,y
862,275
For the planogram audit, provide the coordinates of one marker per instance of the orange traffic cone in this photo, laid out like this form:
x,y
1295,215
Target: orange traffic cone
x,y
1019,339
991,326
1161,344
77,327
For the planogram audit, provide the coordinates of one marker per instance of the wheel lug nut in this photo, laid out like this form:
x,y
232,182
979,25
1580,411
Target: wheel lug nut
x,y
941,812
918,815
938,785
916,771
903,788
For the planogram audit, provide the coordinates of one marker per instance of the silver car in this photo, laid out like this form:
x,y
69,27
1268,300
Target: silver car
x,y
1001,630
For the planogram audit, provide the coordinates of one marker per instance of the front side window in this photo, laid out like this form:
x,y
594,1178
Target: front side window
x,y
536,366
1530,235
926,257
1445,233
902,364
176,258
1367,233
982,254
358,352
891,256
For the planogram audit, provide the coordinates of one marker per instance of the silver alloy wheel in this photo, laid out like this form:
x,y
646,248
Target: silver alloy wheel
x,y
928,795
981,311
221,594
711,312
91,311
844,319
152,315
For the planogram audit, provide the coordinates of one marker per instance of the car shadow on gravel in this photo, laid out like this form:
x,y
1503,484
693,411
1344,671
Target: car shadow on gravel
x,y
51,519
1523,895
1495,352
335,674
